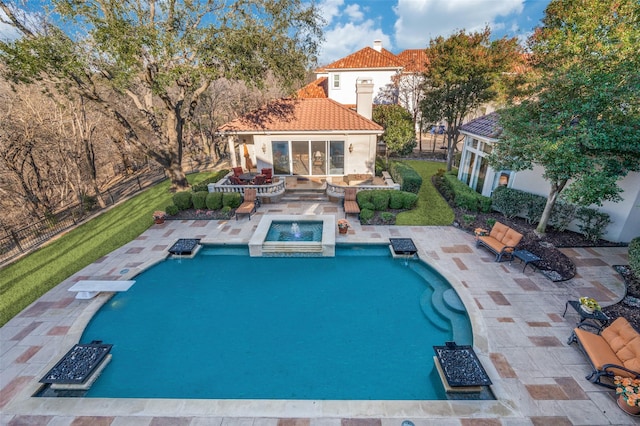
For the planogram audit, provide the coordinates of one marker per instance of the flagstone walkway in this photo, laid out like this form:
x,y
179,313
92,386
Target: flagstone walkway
x,y
520,336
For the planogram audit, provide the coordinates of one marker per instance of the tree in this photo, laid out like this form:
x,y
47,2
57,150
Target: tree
x,y
399,135
161,56
463,73
582,122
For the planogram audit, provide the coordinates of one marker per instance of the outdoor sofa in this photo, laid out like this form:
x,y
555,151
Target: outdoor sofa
x,y
502,240
614,351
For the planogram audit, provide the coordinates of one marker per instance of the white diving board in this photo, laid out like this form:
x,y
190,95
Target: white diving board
x,y
88,289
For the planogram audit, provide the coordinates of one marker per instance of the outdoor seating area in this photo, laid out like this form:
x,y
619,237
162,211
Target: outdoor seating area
x,y
502,240
615,351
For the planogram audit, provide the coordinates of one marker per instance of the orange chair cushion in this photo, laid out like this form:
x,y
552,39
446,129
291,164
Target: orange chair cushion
x,y
245,208
511,238
598,351
498,231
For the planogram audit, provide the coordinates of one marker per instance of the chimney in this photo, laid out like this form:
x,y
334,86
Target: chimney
x,y
364,97
377,45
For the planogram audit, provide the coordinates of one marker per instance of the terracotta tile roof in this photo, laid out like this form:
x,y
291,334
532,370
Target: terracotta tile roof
x,y
315,89
366,58
486,126
302,115
413,60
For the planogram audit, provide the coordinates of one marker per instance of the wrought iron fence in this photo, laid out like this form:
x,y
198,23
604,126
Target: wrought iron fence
x,y
19,241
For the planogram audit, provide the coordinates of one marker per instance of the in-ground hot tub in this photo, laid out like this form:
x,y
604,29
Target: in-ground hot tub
x,y
294,235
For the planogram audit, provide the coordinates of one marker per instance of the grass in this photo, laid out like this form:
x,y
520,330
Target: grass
x,y
432,209
28,278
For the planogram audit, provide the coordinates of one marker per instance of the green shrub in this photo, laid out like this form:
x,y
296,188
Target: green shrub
x,y
202,186
226,209
388,218
172,210
363,197
396,199
592,223
381,166
508,201
468,219
534,206
89,202
461,194
231,199
214,200
562,214
490,222
634,256
484,204
366,215
199,200
403,174
380,199
367,204
409,200
182,200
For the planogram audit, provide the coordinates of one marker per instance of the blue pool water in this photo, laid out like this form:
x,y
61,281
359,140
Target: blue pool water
x,y
224,325
295,231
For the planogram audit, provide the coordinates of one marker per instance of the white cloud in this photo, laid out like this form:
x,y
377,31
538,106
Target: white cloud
x,y
329,9
418,21
345,39
354,12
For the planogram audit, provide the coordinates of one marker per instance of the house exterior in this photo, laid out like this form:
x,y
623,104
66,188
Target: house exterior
x,y
312,137
481,135
372,63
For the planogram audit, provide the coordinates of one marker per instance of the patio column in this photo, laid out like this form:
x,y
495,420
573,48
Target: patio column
x,y
232,152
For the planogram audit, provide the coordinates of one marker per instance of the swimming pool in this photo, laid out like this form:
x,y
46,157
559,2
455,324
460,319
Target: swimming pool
x,y
223,325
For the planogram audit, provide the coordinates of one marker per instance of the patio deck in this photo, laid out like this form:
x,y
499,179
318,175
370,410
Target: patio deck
x,y
519,335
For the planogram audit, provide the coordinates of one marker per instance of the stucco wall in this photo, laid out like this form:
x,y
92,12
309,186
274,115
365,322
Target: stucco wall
x,y
625,215
347,92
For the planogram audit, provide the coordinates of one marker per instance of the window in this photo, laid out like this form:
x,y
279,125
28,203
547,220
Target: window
x,y
336,81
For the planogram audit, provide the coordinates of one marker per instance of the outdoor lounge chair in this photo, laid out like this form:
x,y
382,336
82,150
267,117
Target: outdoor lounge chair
x,y
237,171
248,206
350,203
502,240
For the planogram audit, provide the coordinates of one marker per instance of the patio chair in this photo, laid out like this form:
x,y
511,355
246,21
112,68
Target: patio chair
x,y
237,171
260,180
350,203
235,180
268,173
248,206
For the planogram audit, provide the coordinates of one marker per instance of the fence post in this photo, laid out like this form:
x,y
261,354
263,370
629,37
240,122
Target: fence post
x,y
16,240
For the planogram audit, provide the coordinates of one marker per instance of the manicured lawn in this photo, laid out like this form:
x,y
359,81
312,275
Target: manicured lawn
x,y
432,209
25,280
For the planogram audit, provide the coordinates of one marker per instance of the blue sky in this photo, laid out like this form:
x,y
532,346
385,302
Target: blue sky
x,y
410,24
406,24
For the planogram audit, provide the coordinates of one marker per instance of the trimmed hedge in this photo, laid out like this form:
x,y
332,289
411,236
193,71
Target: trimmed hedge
x,y
634,256
214,200
199,199
202,186
172,210
465,197
182,200
231,199
404,175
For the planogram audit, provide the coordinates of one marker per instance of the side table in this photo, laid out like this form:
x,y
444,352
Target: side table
x,y
525,256
595,319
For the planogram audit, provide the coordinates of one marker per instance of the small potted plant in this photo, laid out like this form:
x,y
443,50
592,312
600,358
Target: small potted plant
x,y
158,216
589,304
628,391
343,226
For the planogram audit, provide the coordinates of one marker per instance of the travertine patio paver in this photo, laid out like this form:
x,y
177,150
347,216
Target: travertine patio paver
x,y
519,334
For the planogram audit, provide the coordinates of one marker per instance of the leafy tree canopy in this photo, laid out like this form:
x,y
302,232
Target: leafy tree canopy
x,y
158,57
583,120
398,135
463,73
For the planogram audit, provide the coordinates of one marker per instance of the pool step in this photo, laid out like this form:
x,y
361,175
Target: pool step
x,y
292,247
432,313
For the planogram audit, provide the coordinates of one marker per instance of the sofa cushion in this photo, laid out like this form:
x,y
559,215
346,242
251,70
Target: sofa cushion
x,y
598,351
512,238
351,207
498,231
630,356
492,243
619,333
